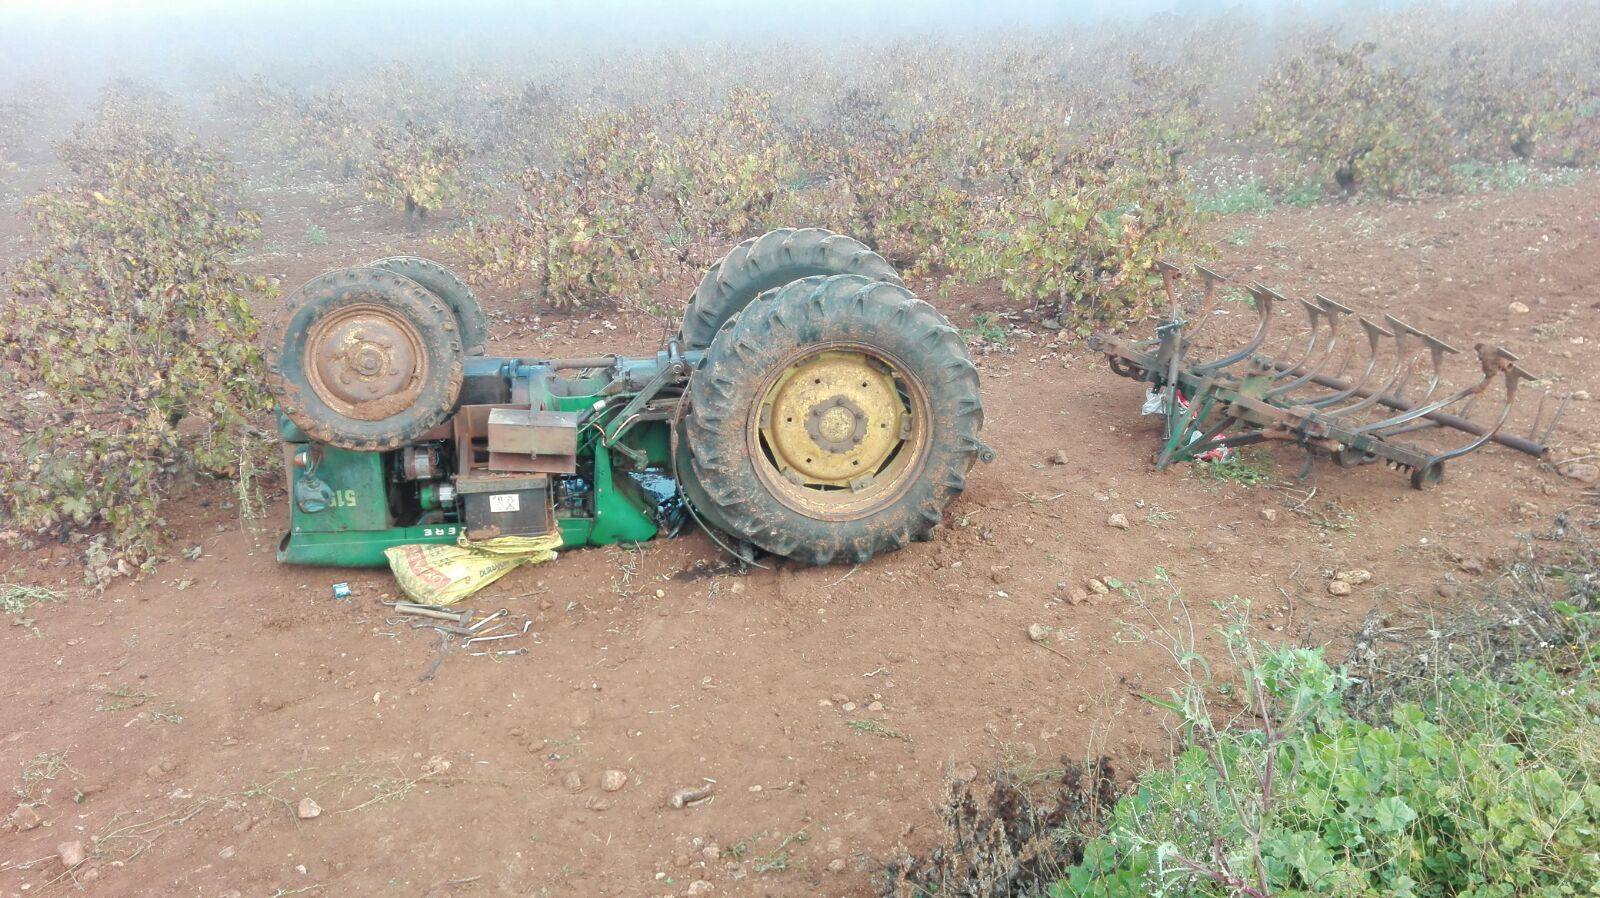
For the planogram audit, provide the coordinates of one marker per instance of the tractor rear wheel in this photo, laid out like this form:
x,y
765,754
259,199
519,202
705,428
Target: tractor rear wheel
x,y
443,283
833,418
767,263
365,359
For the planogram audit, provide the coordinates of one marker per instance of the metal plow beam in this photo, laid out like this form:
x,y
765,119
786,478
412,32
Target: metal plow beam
x,y
1353,387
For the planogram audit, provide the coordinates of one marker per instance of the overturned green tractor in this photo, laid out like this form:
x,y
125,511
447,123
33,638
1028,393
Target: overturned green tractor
x,y
810,407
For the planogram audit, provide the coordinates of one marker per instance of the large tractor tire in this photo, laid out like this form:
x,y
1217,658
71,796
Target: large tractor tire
x,y
767,263
831,419
365,359
443,283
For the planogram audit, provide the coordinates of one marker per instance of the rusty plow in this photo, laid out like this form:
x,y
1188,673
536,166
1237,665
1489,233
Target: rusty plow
x,y
1346,387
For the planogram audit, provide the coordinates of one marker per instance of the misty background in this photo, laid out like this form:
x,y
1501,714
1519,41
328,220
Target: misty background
x,y
77,44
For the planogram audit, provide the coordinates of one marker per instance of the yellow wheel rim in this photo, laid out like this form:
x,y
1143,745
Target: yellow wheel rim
x,y
837,429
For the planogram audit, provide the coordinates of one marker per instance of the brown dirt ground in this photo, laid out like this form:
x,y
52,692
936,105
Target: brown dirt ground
x,y
196,708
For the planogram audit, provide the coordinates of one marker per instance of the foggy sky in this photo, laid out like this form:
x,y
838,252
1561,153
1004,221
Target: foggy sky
x,y
101,38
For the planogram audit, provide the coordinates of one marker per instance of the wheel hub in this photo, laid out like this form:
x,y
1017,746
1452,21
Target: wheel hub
x,y
836,424
366,362
833,419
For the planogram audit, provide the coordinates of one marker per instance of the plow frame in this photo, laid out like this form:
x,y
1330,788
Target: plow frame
x,y
1243,398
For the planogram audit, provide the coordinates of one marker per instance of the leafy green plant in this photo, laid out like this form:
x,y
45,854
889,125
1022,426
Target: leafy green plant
x,y
987,329
138,338
16,598
1490,788
1357,123
1251,196
1085,241
416,169
1243,468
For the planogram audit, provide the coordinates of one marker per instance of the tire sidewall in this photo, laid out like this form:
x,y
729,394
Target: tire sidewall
x,y
439,338
454,292
753,348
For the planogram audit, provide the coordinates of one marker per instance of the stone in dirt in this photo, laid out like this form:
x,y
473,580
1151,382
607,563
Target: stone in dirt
x,y
573,781
1038,632
308,809
1338,588
700,887
837,865
25,818
613,780
1354,577
71,853
1119,521
1270,515
1098,588
1059,457
1583,472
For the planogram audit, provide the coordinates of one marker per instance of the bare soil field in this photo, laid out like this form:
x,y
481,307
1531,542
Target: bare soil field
x,y
189,713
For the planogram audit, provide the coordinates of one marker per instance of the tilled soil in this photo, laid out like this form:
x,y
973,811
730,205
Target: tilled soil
x,y
195,709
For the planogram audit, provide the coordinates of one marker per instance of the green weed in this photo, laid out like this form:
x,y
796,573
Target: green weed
x,y
877,728
987,328
16,599
1245,469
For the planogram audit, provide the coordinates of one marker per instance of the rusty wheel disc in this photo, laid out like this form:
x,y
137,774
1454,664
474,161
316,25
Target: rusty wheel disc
x,y
366,361
836,428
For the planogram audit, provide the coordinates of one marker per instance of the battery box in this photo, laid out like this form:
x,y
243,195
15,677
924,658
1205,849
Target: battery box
x,y
505,504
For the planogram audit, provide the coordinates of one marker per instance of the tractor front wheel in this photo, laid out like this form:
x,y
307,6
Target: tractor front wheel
x,y
767,263
365,359
833,418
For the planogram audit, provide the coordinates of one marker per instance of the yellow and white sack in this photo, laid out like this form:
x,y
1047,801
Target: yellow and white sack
x,y
444,575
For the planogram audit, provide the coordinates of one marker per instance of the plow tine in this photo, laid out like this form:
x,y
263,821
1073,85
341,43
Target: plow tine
x,y
1397,376
1314,321
1496,360
1208,299
1169,277
1264,297
1334,312
1335,309
1544,438
1437,349
1427,423
1375,334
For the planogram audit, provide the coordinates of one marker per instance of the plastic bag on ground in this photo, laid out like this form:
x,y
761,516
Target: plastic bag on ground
x,y
444,575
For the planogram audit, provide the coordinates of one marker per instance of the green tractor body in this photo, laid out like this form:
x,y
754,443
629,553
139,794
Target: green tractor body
x,y
811,407
608,480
